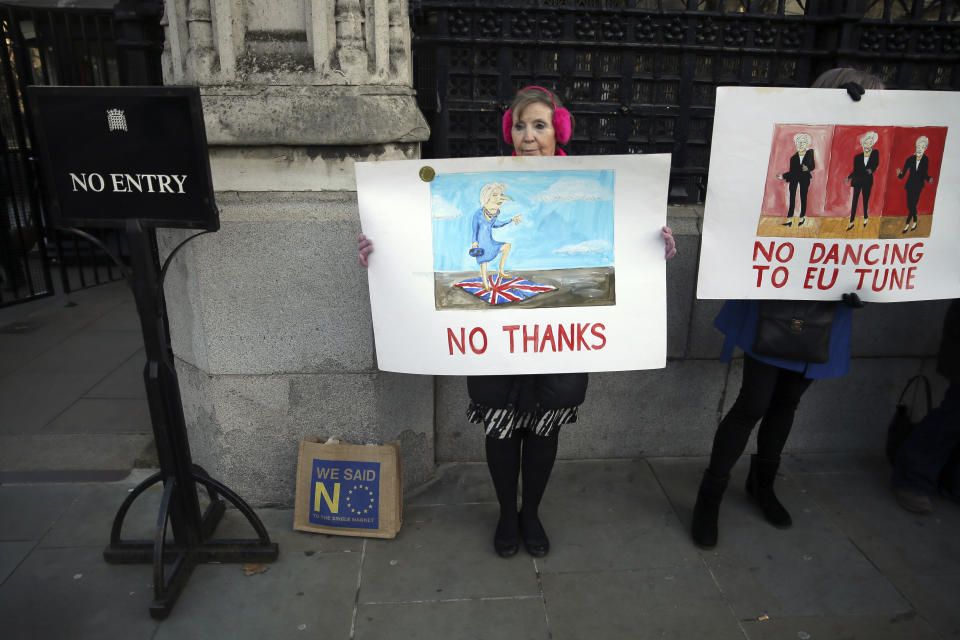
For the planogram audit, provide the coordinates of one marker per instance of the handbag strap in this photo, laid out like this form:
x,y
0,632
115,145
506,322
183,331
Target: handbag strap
x,y
919,378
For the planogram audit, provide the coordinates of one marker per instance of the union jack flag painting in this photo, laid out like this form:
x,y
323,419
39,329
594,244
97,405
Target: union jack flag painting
x,y
503,290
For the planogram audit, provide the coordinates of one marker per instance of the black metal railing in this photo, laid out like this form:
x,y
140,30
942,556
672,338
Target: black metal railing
x,y
640,76
63,46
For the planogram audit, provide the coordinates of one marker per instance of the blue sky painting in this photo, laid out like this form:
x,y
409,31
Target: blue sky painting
x,y
567,218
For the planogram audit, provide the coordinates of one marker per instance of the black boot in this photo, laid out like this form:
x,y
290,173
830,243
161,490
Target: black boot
x,y
760,487
707,510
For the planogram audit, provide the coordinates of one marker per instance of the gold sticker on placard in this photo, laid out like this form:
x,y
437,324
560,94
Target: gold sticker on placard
x,y
427,174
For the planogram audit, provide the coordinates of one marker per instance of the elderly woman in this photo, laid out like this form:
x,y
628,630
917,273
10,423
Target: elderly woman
x,y
861,178
485,220
522,414
772,385
915,170
801,165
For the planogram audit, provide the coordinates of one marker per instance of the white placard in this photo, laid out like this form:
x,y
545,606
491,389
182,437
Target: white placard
x,y
584,278
854,154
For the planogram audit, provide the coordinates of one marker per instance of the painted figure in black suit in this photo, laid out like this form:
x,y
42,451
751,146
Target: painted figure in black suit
x,y
917,166
801,164
864,164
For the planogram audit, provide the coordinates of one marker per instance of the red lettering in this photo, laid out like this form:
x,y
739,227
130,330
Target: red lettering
x,y
767,254
833,280
862,273
760,269
510,328
899,255
789,247
883,283
528,339
483,334
581,329
453,342
914,258
564,337
548,335
817,252
911,272
870,250
811,272
597,331
852,253
833,255
782,271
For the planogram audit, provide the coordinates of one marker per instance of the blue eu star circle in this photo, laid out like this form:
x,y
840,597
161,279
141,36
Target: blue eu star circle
x,y
360,488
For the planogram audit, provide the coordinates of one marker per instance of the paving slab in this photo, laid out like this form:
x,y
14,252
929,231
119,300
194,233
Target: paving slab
x,y
813,568
311,597
611,515
32,400
279,524
463,483
656,603
905,543
71,451
73,593
514,618
103,415
87,520
97,352
441,553
935,599
11,555
901,626
122,317
29,511
126,381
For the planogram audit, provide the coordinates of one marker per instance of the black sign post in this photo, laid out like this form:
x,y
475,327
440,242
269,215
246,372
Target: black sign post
x,y
136,158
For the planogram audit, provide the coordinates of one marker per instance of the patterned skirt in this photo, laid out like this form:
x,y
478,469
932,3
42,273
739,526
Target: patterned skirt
x,y
502,423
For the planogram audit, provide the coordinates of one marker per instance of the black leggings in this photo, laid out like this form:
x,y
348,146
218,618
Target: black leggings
x,y
523,453
767,392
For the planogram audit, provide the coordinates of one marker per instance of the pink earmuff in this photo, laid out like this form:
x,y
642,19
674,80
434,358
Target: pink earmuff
x,y
562,124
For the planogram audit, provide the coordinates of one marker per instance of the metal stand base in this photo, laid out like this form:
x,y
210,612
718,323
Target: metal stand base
x,y
184,557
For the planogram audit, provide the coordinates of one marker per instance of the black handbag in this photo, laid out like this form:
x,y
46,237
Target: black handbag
x,y
795,330
902,424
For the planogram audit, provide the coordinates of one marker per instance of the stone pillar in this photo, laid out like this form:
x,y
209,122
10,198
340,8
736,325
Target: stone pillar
x,y
269,316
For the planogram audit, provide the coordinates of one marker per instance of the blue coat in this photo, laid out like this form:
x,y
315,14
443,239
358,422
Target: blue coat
x,y
738,321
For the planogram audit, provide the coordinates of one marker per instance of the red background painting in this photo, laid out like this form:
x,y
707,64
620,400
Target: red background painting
x,y
905,145
846,145
776,194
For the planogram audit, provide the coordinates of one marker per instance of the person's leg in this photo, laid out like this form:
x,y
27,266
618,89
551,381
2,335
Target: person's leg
x,y
504,252
853,205
771,438
539,454
483,275
756,389
866,202
928,447
503,460
792,189
804,186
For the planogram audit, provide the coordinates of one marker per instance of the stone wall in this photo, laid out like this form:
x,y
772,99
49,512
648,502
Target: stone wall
x,y
270,317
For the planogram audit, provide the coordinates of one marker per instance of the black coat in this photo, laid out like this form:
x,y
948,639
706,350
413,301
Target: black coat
x,y
862,174
948,360
529,393
916,176
796,173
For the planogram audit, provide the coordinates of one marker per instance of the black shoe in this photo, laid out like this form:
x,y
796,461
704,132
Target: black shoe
x,y
706,511
802,220
534,538
788,223
849,226
760,488
506,541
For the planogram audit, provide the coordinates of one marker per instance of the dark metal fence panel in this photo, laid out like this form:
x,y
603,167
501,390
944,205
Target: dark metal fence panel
x,y
70,46
640,76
